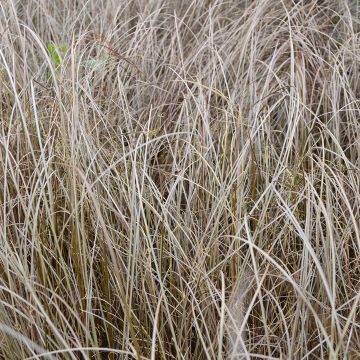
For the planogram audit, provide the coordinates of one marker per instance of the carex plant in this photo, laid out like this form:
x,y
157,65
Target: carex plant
x,y
179,179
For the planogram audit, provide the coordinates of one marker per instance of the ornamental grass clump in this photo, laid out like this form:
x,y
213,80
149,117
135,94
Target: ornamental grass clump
x,y
179,179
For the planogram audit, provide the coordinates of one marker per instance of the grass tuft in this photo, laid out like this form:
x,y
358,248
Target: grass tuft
x,y
179,179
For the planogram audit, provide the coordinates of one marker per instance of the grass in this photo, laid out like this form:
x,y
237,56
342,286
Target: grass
x,y
193,194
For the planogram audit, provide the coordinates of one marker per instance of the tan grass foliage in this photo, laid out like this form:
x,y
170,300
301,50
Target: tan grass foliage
x,y
180,176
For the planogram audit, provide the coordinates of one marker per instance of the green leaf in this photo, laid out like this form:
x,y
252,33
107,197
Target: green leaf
x,y
93,63
56,52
